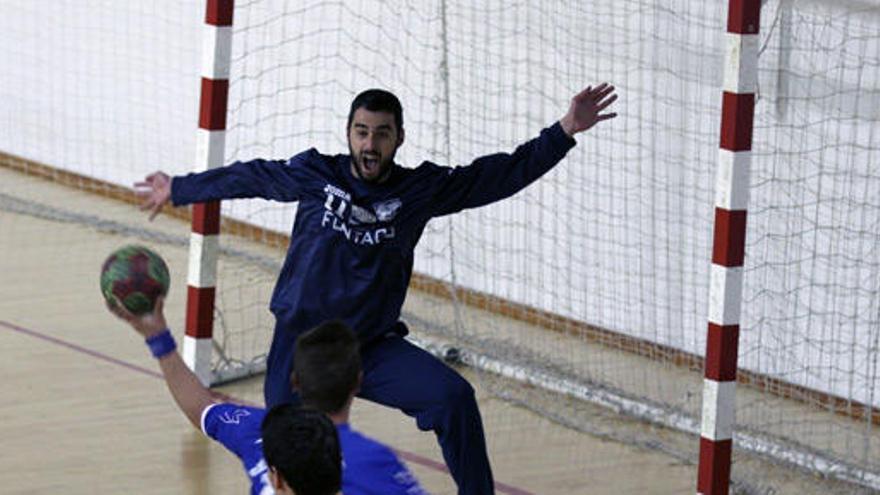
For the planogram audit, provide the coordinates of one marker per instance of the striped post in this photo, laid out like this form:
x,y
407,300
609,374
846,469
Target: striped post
x,y
731,202
203,246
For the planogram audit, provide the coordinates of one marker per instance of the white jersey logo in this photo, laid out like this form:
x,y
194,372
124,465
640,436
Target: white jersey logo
x,y
234,417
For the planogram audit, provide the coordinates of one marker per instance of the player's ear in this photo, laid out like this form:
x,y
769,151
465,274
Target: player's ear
x,y
277,481
360,380
294,381
400,135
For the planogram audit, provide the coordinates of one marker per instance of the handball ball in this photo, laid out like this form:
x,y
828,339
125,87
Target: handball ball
x,y
134,277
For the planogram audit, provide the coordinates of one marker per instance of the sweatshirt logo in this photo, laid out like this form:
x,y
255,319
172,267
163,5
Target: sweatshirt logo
x,y
361,215
353,221
332,190
387,210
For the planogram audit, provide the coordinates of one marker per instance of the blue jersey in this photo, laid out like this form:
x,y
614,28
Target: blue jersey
x,y
351,250
238,429
368,467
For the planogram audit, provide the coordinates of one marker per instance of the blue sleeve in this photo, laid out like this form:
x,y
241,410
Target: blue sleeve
x,y
236,427
495,177
280,180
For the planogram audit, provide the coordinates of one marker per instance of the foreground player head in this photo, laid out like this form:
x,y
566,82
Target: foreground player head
x,y
301,448
375,131
327,368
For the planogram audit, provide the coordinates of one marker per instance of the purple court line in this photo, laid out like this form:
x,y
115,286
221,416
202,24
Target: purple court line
x,y
80,349
407,456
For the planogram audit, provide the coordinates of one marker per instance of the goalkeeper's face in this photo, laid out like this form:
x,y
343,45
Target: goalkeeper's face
x,y
373,139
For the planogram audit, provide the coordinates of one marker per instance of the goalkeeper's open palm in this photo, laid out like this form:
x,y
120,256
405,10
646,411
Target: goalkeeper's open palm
x,y
586,109
155,191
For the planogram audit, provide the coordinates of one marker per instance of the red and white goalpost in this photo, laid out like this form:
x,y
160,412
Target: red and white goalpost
x,y
728,252
210,151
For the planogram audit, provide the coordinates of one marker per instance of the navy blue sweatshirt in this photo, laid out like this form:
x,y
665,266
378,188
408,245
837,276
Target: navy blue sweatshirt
x,y
351,250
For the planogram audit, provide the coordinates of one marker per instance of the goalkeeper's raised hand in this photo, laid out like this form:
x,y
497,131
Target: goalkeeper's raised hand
x,y
155,191
586,109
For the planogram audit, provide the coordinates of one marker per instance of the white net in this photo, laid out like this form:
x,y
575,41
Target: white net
x,y
811,311
579,241
591,282
618,237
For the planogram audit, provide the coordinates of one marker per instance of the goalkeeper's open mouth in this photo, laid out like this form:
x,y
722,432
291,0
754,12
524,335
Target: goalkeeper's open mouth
x,y
370,166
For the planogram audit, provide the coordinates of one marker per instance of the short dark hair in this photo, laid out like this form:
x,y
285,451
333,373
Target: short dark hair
x,y
327,366
377,100
302,445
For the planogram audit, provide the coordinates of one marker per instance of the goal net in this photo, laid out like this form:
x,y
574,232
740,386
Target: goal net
x,y
592,282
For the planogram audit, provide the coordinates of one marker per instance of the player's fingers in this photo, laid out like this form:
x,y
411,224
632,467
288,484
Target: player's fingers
x,y
583,94
603,93
119,310
604,104
606,116
125,314
598,89
155,212
159,306
111,307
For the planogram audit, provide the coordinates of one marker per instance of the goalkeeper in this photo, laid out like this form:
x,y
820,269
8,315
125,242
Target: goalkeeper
x,y
359,218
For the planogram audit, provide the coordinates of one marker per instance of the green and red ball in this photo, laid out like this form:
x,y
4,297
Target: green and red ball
x,y
134,276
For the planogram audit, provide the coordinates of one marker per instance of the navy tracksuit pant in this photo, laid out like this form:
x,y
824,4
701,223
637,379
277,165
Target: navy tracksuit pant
x,y
400,375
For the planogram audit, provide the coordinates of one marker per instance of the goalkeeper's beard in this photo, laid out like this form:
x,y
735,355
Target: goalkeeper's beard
x,y
374,173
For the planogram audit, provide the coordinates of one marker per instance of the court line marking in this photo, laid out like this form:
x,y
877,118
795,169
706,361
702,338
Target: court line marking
x,y
407,456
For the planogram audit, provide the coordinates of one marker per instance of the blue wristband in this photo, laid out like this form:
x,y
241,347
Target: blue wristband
x,y
161,344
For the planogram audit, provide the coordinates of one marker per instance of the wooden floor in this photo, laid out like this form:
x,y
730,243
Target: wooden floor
x,y
84,410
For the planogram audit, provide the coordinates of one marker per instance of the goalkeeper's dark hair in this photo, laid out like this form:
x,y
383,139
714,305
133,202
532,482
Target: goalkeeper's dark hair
x,y
302,445
377,100
327,366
